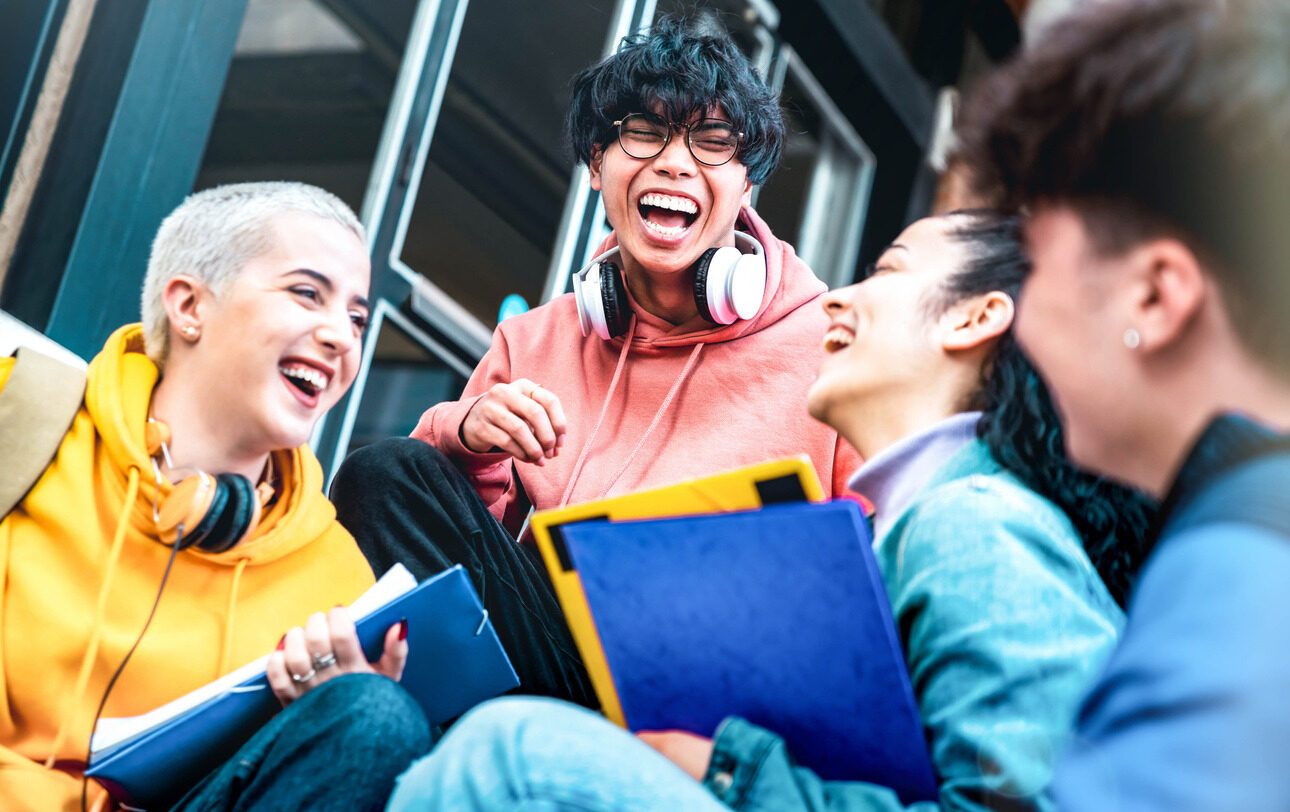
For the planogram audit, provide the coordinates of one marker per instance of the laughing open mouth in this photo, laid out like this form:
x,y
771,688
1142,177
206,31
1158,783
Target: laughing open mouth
x,y
667,215
837,338
308,380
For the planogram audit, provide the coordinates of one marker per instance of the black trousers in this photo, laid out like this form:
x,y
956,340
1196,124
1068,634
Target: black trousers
x,y
405,502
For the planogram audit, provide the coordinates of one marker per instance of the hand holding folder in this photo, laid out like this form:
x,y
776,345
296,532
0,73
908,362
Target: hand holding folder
x,y
778,616
454,661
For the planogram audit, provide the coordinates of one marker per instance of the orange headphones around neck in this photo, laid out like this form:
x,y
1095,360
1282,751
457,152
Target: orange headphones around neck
x,y
214,513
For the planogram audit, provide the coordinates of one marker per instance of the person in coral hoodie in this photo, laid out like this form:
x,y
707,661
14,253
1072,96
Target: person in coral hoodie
x,y
699,330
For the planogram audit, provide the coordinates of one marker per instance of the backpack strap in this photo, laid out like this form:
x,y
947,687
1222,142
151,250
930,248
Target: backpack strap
x,y
37,406
1253,492
1238,470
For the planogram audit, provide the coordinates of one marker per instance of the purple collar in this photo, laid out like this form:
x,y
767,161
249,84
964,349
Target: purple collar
x,y
893,477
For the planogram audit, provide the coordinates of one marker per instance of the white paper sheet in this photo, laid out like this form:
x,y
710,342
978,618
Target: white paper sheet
x,y
395,582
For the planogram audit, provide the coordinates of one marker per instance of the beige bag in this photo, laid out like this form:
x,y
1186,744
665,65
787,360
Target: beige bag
x,y
37,406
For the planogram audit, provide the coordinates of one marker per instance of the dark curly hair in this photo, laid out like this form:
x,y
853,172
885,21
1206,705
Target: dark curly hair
x,y
687,66
1019,423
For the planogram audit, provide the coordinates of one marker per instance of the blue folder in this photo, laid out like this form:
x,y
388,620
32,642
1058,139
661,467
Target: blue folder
x,y
454,662
776,615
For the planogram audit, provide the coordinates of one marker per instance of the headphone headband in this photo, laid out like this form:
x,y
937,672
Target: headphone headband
x,y
750,242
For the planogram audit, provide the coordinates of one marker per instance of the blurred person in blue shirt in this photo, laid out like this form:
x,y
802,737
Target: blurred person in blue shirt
x,y
1150,144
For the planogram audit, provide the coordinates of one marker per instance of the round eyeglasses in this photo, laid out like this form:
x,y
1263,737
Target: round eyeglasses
x,y
712,141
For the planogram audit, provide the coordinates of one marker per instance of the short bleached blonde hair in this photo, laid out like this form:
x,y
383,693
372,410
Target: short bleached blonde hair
x,y
215,233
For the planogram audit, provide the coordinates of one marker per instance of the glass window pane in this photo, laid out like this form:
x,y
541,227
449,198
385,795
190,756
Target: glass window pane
x,y
830,240
488,208
292,26
404,380
307,93
782,200
816,198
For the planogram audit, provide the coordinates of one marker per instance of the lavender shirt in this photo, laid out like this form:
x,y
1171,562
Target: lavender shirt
x,y
894,476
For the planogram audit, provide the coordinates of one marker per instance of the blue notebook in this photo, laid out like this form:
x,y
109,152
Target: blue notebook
x,y
454,662
776,615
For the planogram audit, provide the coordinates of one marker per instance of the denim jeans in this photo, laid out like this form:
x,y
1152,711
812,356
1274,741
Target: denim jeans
x,y
540,754
340,747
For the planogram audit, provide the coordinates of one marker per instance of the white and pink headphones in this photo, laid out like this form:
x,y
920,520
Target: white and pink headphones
x,y
728,285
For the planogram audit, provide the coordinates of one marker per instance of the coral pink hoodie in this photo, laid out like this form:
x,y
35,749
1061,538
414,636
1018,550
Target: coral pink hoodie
x,y
738,396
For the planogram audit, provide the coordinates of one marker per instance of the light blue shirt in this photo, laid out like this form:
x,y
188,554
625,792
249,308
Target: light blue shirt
x,y
1004,621
1191,712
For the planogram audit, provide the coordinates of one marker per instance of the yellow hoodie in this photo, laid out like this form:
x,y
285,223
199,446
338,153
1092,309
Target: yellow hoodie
x,y
81,567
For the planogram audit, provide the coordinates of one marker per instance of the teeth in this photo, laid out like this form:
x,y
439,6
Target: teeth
x,y
666,231
310,376
669,202
837,338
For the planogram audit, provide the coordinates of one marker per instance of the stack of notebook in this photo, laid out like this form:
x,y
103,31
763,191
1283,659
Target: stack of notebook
x,y
743,595
454,661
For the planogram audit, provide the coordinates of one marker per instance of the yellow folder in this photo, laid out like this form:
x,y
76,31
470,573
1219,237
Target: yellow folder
x,y
791,479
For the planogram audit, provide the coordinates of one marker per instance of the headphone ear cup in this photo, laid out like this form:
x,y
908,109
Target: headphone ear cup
x,y
186,509
214,512
235,517
613,298
701,282
210,521
729,284
747,283
712,277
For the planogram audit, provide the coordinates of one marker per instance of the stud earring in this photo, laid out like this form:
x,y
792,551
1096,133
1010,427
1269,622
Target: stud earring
x,y
1132,338
190,332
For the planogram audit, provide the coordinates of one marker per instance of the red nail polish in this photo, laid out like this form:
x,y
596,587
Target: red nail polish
x,y
282,641
403,629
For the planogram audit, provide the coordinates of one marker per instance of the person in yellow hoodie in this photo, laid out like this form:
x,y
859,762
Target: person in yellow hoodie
x,y
253,312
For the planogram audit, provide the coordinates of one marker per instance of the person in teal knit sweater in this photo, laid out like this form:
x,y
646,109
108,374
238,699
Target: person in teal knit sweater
x,y
1005,566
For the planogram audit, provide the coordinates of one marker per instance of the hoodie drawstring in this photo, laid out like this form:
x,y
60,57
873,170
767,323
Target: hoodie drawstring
x,y
604,409
96,632
609,395
667,401
226,652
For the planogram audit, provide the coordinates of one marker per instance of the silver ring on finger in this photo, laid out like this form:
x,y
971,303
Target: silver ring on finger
x,y
323,661
300,679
